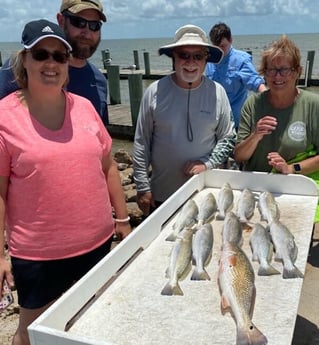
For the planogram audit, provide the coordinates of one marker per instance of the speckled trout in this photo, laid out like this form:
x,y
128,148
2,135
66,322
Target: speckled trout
x,y
232,230
225,200
286,249
262,248
186,218
202,251
237,285
207,209
180,262
246,205
268,207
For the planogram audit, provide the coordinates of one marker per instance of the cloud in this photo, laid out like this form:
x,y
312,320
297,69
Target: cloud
x,y
160,18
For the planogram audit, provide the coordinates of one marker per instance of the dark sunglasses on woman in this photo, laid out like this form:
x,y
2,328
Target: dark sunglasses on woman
x,y
43,54
81,23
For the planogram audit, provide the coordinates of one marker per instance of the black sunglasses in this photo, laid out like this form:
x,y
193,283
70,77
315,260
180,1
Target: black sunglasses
x,y
195,56
81,23
43,54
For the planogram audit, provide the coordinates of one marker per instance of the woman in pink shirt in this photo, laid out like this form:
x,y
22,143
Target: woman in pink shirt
x,y
58,181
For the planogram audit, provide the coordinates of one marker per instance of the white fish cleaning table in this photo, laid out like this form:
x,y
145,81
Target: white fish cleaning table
x,y
119,301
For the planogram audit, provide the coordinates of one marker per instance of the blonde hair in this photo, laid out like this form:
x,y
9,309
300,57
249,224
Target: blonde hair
x,y
282,47
19,72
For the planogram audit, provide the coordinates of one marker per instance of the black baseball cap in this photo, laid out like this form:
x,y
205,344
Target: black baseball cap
x,y
37,30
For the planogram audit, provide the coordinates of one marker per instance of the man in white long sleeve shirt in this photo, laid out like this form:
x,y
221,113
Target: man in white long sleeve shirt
x,y
185,122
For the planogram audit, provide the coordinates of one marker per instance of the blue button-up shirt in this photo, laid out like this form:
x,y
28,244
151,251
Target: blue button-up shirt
x,y
237,75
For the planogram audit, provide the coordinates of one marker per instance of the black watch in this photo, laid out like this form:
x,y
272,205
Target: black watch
x,y
297,168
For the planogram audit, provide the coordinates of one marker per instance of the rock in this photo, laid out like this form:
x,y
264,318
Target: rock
x,y
122,156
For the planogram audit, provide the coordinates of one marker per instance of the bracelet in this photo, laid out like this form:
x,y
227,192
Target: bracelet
x,y
122,220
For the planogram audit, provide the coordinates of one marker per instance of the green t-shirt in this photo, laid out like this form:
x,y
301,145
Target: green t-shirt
x,y
297,128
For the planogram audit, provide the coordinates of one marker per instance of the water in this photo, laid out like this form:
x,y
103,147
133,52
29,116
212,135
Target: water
x,y
121,52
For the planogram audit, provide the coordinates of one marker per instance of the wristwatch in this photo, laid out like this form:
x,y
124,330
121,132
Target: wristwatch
x,y
297,168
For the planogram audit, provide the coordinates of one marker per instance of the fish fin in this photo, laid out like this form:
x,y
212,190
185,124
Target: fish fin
x,y
171,237
170,290
224,305
254,257
186,271
200,275
267,271
291,273
209,258
220,216
252,335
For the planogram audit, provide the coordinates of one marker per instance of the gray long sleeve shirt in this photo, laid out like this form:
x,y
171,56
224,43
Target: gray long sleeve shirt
x,y
161,138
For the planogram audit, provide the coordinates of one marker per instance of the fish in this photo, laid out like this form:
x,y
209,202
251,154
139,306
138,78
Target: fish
x,y
180,263
186,218
246,206
232,230
262,249
207,209
202,246
225,200
268,207
236,280
286,249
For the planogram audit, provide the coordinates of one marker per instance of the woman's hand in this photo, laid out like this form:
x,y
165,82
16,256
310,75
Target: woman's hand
x,y
278,163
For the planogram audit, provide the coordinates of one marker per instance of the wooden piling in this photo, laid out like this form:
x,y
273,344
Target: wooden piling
x,y
106,58
147,64
136,59
113,75
135,84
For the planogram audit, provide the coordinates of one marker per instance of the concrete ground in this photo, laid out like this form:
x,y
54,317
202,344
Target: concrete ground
x,y
307,323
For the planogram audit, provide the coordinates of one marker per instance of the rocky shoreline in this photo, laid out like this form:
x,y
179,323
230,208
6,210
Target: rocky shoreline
x,y
125,166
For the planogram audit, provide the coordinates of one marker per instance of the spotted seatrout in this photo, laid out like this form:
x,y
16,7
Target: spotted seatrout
x,y
268,207
225,200
232,229
202,251
186,218
237,285
286,249
246,205
207,209
262,248
180,262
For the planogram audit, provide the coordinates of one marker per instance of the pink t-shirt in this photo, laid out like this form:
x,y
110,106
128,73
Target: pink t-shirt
x,y
58,203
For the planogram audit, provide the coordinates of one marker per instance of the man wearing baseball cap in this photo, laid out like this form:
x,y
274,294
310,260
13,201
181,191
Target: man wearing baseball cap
x,y
185,123
81,21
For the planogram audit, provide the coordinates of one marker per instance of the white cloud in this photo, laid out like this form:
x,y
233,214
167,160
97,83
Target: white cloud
x,y
160,18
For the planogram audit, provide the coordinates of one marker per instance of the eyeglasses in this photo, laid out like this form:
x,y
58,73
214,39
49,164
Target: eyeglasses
x,y
43,54
81,23
194,56
284,71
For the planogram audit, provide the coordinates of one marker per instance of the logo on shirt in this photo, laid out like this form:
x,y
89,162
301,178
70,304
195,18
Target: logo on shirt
x,y
297,131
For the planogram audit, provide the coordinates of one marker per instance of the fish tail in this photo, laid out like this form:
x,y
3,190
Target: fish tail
x,y
251,336
200,275
170,290
267,270
291,273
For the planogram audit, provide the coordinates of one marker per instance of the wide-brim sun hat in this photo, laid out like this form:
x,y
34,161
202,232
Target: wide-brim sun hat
x,y
37,30
192,35
76,6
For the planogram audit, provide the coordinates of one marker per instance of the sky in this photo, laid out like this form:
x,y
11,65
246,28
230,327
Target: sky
x,y
161,18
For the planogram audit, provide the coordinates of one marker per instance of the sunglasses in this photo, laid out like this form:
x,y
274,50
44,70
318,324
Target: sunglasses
x,y
284,72
81,23
194,56
42,55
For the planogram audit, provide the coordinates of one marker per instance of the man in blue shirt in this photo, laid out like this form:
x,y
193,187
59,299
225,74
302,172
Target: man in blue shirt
x,y
81,22
235,72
